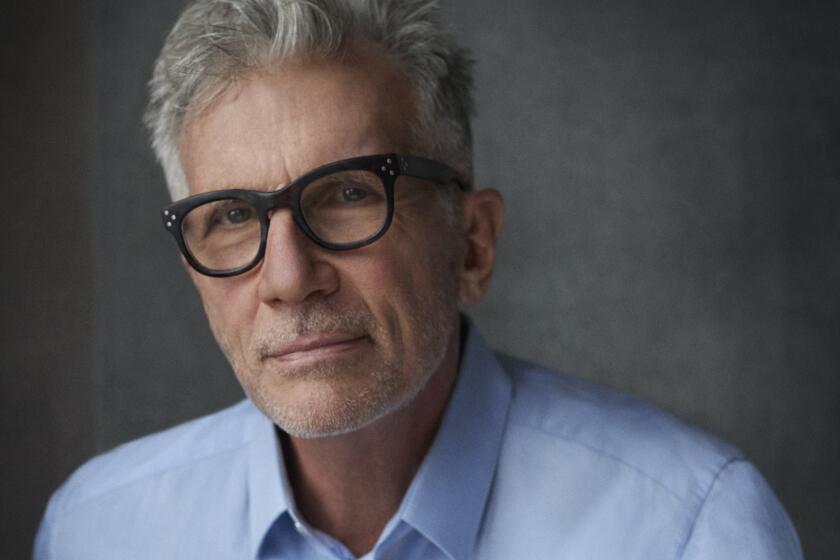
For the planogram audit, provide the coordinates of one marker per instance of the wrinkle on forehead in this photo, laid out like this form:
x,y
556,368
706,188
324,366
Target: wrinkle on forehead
x,y
271,126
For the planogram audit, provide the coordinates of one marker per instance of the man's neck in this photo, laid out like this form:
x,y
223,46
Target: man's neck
x,y
349,486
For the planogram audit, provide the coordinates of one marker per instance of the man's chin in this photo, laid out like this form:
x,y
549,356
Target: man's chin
x,y
323,424
320,429
324,405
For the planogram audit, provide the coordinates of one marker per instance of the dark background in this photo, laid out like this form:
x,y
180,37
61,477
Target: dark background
x,y
671,174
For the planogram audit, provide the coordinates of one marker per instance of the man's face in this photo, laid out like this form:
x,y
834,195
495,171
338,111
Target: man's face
x,y
325,342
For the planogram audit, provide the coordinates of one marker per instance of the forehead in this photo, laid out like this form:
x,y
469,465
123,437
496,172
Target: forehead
x,y
271,126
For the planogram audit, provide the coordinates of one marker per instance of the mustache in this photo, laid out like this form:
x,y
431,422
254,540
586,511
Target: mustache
x,y
311,319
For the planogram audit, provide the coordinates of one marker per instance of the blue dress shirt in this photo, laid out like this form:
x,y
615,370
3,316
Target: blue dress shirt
x,y
527,465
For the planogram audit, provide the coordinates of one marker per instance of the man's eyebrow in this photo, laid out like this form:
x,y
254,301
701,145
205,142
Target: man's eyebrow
x,y
266,187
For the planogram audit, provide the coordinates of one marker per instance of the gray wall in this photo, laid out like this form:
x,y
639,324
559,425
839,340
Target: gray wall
x,y
48,399
671,174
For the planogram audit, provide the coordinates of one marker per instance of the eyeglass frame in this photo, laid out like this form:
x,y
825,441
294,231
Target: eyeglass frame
x,y
387,166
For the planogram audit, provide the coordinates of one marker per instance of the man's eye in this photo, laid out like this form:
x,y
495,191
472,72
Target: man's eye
x,y
352,194
237,215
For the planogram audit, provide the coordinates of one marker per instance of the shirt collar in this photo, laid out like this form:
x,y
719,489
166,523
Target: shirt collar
x,y
446,499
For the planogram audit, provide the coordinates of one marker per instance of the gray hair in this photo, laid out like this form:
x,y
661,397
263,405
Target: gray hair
x,y
215,42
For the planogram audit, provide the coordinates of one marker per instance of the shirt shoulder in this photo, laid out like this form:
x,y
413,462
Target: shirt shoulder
x,y
616,427
599,474
156,454
156,496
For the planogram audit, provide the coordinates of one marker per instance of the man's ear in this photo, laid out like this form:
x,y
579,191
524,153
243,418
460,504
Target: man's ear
x,y
483,213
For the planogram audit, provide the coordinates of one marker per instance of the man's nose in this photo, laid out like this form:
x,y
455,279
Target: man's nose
x,y
291,270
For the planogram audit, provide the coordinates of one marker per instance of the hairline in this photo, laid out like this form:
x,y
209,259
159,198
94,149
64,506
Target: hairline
x,y
415,137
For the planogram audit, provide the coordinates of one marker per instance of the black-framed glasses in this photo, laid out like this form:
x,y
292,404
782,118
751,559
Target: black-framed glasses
x,y
340,206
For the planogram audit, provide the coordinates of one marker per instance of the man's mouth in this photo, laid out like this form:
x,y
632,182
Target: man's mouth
x,y
316,346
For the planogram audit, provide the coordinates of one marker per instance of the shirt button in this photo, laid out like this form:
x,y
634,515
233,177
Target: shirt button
x,y
299,526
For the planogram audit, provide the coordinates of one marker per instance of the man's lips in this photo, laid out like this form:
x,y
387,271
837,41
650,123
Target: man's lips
x,y
315,346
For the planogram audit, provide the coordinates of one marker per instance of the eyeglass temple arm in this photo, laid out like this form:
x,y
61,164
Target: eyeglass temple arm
x,y
423,168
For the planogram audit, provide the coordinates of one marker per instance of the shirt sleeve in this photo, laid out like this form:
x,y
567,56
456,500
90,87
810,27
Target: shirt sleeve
x,y
741,519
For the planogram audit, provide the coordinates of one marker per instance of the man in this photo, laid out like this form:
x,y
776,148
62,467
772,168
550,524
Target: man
x,y
319,155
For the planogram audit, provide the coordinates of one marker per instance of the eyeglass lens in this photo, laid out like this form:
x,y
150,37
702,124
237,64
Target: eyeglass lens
x,y
342,207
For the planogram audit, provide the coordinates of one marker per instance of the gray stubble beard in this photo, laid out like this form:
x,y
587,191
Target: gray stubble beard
x,y
388,391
